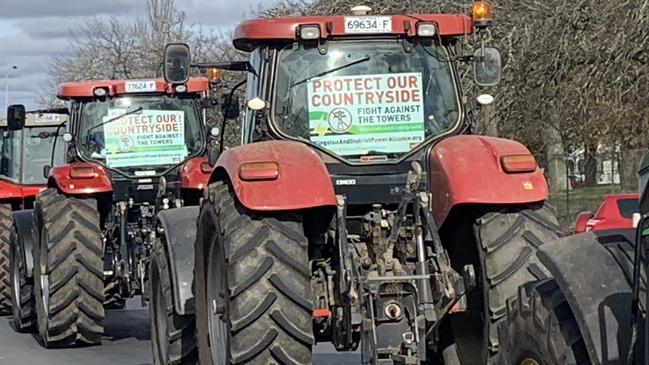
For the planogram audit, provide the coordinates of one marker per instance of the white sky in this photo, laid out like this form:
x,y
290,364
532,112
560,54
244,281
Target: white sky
x,y
31,31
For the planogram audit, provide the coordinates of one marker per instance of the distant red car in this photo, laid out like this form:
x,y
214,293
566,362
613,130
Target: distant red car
x,y
616,212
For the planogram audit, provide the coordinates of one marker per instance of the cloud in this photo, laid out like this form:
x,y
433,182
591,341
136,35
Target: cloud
x,y
32,31
13,9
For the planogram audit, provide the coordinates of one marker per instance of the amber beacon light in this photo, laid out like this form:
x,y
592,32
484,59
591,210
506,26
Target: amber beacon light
x,y
482,14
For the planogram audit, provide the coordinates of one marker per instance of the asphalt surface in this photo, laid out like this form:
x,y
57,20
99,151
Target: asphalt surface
x,y
126,343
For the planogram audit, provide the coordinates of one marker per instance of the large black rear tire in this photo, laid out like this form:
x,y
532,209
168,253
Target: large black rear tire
x,y
252,283
541,329
5,273
173,337
22,288
68,270
506,243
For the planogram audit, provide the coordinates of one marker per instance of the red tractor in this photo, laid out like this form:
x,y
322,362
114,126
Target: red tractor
x,y
25,152
136,149
359,210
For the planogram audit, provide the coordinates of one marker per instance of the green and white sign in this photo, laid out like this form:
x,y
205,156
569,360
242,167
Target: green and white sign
x,y
151,137
353,115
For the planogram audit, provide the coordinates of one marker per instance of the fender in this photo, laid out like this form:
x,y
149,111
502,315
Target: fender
x,y
10,192
78,178
597,291
194,173
466,169
303,180
179,226
23,221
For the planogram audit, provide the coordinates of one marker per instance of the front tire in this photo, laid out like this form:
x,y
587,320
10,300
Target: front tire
x,y
5,273
173,337
22,287
68,270
251,285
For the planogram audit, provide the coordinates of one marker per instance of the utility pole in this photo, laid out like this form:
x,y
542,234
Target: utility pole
x,y
14,67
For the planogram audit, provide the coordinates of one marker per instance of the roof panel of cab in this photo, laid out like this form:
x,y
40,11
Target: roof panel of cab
x,y
85,89
251,33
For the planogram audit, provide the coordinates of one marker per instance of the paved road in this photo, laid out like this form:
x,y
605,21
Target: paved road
x,y
126,343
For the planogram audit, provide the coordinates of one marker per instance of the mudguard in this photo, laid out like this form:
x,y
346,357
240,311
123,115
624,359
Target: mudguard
x,y
23,221
466,169
179,226
597,291
192,174
303,180
95,180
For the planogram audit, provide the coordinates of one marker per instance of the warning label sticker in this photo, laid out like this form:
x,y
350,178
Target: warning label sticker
x,y
356,115
152,137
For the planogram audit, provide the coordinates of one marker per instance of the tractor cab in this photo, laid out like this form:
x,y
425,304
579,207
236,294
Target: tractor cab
x,y
29,150
139,131
363,91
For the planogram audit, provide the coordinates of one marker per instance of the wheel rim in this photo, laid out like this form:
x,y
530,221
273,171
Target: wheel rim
x,y
15,279
160,318
217,325
44,279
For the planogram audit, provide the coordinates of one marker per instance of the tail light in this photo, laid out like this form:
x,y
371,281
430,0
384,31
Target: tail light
x,y
253,171
83,172
321,313
590,225
518,163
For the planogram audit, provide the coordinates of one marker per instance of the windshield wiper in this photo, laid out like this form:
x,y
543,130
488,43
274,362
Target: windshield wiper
x,y
139,108
44,135
323,73
377,153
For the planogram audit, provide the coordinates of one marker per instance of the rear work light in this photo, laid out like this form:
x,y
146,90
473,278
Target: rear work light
x,y
426,29
83,172
309,32
100,92
518,163
254,171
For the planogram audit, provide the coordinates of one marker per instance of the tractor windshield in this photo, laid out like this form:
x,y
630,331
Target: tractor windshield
x,y
137,133
25,152
363,98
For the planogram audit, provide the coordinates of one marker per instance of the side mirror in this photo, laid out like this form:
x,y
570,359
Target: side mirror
x,y
213,154
231,109
176,63
46,171
16,117
487,66
581,221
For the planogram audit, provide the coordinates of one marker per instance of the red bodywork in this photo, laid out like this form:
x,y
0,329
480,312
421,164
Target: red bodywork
x,y
608,216
86,89
581,221
252,32
303,180
16,192
464,170
195,173
97,182
467,170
